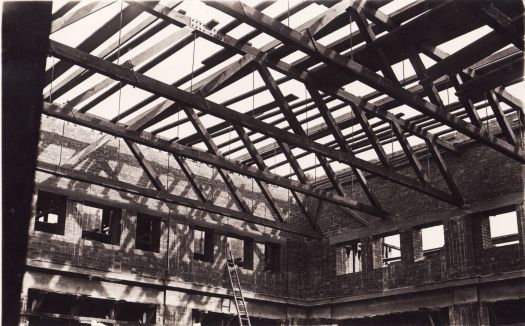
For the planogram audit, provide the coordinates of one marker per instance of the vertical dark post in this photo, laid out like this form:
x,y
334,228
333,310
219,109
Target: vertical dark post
x,y
25,39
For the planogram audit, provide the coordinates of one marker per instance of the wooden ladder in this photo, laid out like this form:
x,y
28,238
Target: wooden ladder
x,y
238,298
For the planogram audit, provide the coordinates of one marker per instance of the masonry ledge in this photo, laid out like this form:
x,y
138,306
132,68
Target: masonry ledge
x,y
299,302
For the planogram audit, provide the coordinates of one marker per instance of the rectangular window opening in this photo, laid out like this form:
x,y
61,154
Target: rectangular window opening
x,y
391,249
504,229
50,212
272,257
432,240
147,236
203,245
241,251
348,258
101,223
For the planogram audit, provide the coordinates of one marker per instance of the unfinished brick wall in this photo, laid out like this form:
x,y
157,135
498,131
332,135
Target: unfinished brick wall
x,y
307,267
467,250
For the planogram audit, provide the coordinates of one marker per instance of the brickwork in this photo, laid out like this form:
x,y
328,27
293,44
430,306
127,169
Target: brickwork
x,y
308,268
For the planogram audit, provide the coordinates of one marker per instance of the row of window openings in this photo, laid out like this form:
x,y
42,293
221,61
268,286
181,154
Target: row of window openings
x,y
103,224
503,232
99,223
243,251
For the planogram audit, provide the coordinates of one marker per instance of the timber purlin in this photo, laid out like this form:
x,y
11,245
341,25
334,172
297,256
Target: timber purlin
x,y
474,66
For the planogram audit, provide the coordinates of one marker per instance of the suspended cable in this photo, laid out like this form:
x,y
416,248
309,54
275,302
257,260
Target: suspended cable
x,y
61,144
253,115
168,173
120,83
351,37
192,62
486,112
52,79
288,13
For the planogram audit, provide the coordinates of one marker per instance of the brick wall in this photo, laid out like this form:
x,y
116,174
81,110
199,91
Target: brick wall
x,y
308,267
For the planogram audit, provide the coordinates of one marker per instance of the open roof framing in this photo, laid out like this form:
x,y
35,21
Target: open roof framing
x,y
337,83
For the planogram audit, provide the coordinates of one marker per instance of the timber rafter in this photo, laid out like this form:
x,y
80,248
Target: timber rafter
x,y
358,125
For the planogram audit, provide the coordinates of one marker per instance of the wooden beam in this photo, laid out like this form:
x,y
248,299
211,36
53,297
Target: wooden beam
x,y
332,58
146,165
297,169
137,60
468,104
309,216
95,39
504,124
80,74
299,173
77,14
178,40
212,148
81,155
501,23
338,135
409,152
444,171
306,77
508,74
168,198
296,126
286,69
262,166
369,35
145,138
146,83
213,82
467,56
197,188
421,72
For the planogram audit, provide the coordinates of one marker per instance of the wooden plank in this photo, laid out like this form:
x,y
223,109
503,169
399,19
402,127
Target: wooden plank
x,y
175,94
168,198
270,26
